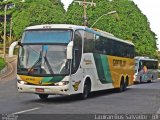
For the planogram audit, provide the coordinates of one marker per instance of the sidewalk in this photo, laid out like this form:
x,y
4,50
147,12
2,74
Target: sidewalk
x,y
10,67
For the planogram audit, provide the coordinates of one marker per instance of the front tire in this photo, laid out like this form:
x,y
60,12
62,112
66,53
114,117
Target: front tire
x,y
43,96
86,90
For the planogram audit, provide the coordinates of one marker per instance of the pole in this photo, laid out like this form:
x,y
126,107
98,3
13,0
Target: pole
x,y
84,3
109,13
98,20
4,42
10,33
85,16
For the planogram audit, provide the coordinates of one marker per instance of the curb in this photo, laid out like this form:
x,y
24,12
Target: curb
x,y
4,69
7,72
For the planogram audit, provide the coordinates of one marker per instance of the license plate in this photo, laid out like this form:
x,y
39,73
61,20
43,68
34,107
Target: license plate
x,y
39,89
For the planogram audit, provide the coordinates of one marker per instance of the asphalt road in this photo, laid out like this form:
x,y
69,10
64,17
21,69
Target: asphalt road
x,y
138,99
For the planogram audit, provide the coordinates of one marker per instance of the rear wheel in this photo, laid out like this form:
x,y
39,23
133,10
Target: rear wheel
x,y
43,96
86,90
140,80
150,81
122,86
127,82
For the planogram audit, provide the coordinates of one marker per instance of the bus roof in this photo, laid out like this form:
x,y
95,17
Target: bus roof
x,y
145,58
55,26
75,27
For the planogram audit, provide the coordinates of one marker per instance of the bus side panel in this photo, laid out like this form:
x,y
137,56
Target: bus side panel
x,y
121,68
148,75
103,70
111,69
86,70
97,69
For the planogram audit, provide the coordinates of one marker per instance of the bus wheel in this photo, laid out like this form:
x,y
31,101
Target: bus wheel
x,y
140,80
86,90
43,96
150,81
122,86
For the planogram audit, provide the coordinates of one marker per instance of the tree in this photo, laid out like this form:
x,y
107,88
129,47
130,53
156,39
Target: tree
x,y
132,25
37,12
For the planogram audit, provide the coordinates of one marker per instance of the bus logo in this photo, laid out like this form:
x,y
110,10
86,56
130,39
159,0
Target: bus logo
x,y
76,84
120,63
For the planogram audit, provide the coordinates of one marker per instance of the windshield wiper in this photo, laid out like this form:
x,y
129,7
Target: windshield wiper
x,y
46,60
48,65
39,60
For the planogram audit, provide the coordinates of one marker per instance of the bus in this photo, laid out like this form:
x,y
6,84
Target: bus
x,y
68,59
146,69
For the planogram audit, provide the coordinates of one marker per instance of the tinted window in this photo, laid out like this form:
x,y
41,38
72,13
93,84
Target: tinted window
x,y
77,50
112,47
88,42
149,64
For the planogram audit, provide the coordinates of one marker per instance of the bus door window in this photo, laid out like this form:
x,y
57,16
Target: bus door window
x,y
77,50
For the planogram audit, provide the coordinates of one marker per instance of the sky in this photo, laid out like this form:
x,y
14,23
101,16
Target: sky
x,y
150,8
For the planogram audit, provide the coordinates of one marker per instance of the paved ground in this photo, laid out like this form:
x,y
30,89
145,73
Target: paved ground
x,y
138,99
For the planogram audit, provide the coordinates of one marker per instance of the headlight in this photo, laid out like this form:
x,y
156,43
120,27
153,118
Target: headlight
x,y
62,83
21,82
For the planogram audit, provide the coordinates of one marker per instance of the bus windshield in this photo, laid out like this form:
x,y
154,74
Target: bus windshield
x,y
46,36
44,55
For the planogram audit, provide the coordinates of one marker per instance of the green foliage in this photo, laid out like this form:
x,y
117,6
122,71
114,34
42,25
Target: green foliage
x,y
2,63
129,24
33,12
37,12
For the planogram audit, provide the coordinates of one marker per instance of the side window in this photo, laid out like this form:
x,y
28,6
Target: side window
x,y
88,42
77,50
103,43
98,44
109,46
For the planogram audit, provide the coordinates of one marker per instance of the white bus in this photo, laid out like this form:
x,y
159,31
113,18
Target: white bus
x,y
146,69
70,59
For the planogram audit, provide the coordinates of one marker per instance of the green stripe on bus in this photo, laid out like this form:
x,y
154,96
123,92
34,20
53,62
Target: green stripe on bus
x,y
106,68
99,67
102,66
52,79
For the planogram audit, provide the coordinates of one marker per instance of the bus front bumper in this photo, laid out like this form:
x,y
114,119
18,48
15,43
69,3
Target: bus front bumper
x,y
60,90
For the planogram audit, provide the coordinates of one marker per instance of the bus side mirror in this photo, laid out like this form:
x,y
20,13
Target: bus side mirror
x,y
69,50
20,44
11,48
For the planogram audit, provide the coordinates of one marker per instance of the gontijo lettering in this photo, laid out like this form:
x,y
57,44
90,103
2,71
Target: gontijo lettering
x,y
120,63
